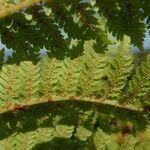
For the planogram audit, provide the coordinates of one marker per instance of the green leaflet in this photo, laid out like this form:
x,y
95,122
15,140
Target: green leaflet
x,y
90,82
29,80
28,140
128,22
64,131
70,76
29,30
90,75
82,133
101,139
45,134
19,82
129,143
143,146
9,85
50,73
139,86
119,70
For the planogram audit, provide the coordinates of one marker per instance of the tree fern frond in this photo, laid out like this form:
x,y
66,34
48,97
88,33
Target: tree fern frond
x,y
100,139
72,98
129,143
92,72
64,131
119,70
82,133
70,76
129,19
9,84
50,74
45,134
29,80
143,146
80,79
26,141
139,86
8,143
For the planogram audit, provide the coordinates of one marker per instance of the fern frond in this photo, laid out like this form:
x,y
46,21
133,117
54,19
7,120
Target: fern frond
x,y
9,84
139,86
144,145
129,19
8,143
92,72
72,100
82,133
100,139
29,78
119,70
64,131
28,140
129,143
70,76
44,134
50,74
81,79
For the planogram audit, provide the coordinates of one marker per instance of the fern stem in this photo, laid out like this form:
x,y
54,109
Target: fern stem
x,y
55,99
10,9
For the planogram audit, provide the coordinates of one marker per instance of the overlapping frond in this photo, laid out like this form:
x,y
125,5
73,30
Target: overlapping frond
x,y
52,24
92,71
70,76
80,96
139,86
29,79
74,99
90,75
119,70
53,123
50,73
9,84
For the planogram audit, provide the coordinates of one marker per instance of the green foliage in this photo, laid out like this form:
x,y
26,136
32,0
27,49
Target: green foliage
x,y
59,22
58,126
139,85
119,70
82,133
86,93
9,83
129,143
91,72
29,80
101,139
143,146
124,17
88,75
68,101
